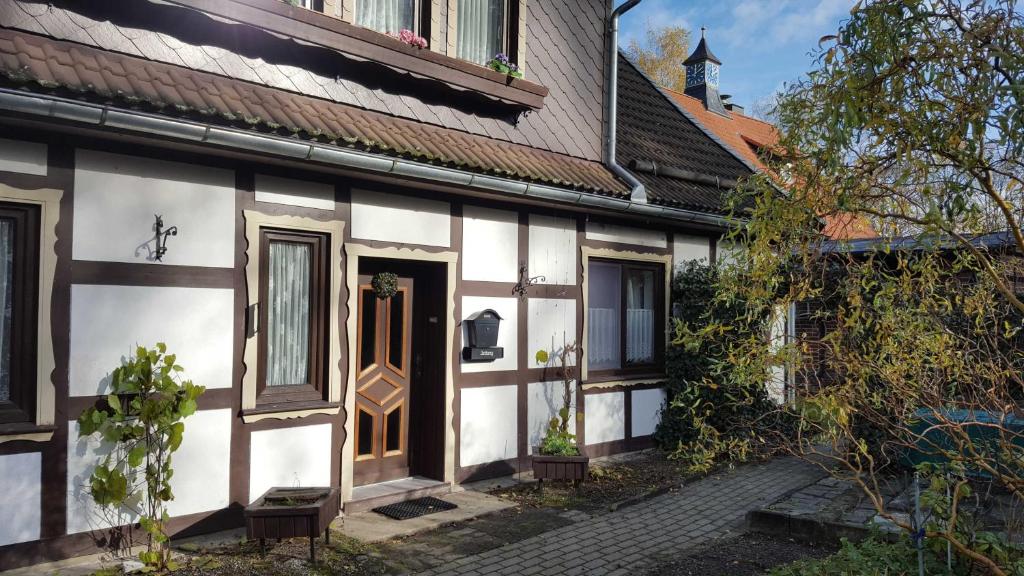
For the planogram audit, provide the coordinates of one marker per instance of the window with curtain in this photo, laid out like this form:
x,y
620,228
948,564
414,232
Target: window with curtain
x,y
292,330
481,27
387,16
19,270
625,317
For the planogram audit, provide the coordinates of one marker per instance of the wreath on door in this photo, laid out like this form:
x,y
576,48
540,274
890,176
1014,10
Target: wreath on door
x,y
385,284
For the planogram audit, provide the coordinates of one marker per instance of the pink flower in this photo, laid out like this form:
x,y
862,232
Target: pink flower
x,y
410,38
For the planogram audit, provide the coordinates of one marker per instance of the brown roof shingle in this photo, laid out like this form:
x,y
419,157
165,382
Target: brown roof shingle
x,y
40,62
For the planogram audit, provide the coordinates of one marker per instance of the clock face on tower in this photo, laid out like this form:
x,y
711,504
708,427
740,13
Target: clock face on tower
x,y
695,74
712,75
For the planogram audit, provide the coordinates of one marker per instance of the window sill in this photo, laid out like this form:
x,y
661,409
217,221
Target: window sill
x,y
289,410
624,380
25,431
329,32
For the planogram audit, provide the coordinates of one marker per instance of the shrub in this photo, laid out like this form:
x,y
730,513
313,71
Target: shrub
x,y
871,557
710,415
142,418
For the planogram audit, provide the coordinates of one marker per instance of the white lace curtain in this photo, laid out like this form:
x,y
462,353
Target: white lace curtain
x,y
481,29
288,295
640,317
388,16
603,316
6,304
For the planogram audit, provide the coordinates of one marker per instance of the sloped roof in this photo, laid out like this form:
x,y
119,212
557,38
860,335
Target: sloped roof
x,y
44,64
746,136
650,128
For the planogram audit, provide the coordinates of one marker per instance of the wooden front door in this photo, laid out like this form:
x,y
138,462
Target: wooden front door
x,y
383,381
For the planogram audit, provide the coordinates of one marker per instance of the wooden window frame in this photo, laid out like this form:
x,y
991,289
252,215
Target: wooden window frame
x,y
510,42
319,306
657,366
21,408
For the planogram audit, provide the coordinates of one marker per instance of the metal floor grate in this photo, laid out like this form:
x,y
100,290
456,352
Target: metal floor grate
x,y
414,508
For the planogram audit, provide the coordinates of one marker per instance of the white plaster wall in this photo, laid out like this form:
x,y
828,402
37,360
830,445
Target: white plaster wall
x,y
646,410
274,190
686,248
84,452
544,400
488,425
202,464
507,332
289,457
108,322
626,235
402,219
117,196
728,252
552,325
553,249
21,476
605,418
201,467
490,244
23,157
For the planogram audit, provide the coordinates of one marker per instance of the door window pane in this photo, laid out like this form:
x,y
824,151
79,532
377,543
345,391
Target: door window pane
x,y
481,29
640,317
396,331
368,321
364,445
605,304
393,436
388,16
6,304
288,293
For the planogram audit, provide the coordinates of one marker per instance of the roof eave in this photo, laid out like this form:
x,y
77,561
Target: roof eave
x,y
48,107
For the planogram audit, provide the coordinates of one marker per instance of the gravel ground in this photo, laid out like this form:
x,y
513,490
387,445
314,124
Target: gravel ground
x,y
745,555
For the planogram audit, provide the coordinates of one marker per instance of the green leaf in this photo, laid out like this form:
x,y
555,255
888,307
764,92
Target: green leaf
x,y
177,432
542,357
137,455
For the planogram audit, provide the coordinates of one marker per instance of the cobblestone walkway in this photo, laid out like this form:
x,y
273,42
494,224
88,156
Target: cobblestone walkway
x,y
631,539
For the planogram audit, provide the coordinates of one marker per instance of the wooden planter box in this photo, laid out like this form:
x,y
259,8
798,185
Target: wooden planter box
x,y
572,468
293,513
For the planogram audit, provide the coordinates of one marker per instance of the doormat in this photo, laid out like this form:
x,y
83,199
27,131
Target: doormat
x,y
414,508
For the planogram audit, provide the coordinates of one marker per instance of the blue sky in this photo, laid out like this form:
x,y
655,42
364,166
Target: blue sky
x,y
762,43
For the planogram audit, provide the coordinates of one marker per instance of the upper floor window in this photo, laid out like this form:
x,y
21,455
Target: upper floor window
x,y
482,29
317,5
19,273
625,316
387,16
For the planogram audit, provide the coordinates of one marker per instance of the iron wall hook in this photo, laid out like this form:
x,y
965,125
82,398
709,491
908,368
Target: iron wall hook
x,y
161,237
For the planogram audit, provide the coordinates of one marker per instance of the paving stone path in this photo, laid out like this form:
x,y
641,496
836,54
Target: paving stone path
x,y
636,537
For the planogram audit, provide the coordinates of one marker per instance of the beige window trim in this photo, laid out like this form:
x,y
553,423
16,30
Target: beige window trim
x,y
48,201
335,229
629,256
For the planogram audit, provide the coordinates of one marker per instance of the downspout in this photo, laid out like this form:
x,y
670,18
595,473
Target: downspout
x,y
638,193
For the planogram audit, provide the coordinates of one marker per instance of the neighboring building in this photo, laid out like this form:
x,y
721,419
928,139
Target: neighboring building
x,y
749,139
299,153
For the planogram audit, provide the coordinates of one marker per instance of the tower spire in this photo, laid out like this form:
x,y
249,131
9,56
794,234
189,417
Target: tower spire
x,y
702,75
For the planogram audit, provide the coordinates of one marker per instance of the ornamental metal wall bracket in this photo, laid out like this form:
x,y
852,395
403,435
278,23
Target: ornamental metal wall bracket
x,y
525,281
161,237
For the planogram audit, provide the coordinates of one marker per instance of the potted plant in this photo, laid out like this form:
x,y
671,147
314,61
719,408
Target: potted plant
x,y
293,513
559,457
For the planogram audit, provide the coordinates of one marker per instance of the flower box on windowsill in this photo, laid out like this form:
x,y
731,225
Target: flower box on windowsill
x,y
332,33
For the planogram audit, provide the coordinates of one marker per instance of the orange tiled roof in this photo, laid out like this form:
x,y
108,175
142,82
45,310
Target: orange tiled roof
x,y
745,136
45,64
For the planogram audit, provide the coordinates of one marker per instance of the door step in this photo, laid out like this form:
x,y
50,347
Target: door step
x,y
371,496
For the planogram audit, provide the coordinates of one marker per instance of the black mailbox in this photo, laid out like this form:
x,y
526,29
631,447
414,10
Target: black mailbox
x,y
482,331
